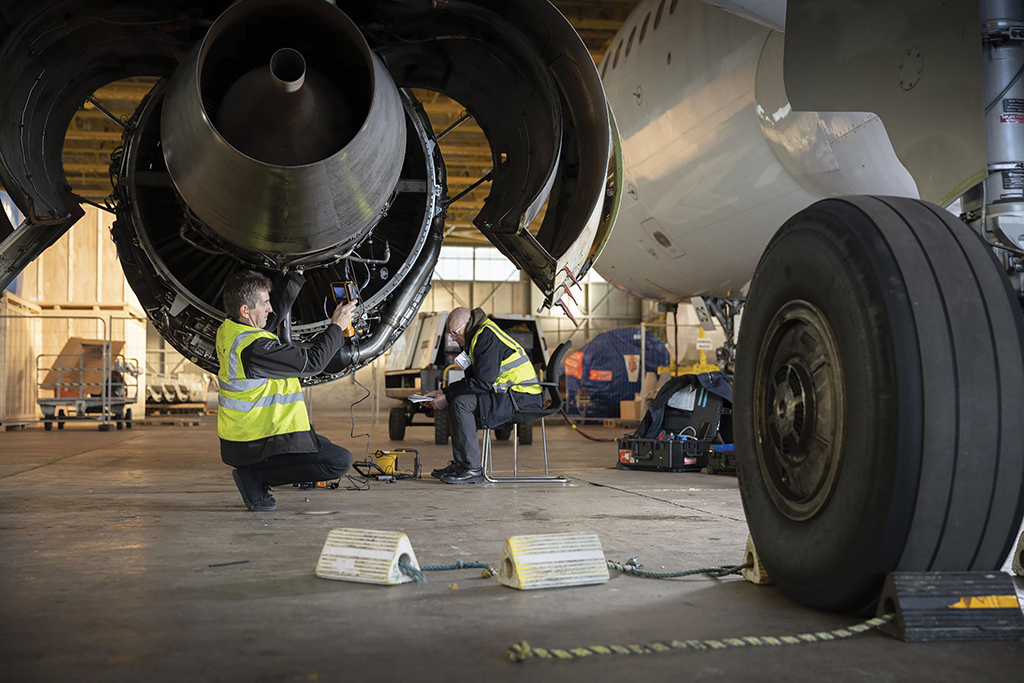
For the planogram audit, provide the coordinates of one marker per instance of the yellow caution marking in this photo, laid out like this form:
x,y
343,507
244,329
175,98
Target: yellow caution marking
x,y
986,602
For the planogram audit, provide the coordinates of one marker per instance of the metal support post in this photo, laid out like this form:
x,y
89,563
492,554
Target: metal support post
x,y
643,368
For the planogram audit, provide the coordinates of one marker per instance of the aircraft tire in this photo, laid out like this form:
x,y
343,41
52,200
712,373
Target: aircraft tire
x,y
878,398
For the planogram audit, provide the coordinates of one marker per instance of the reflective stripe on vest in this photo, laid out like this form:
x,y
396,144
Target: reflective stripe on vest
x,y
253,409
516,371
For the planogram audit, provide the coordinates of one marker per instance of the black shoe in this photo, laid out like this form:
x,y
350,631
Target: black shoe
x,y
452,468
255,494
473,475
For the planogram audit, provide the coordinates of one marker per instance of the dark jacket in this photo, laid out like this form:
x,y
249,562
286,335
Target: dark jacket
x,y
717,383
275,359
494,409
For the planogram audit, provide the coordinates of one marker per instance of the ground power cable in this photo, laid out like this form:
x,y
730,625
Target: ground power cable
x,y
582,433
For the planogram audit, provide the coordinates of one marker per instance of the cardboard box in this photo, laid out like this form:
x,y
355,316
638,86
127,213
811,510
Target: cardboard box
x,y
629,410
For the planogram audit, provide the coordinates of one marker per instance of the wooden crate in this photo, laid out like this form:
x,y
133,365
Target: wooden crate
x,y
20,343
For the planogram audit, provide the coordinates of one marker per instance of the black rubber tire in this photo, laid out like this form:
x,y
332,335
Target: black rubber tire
x,y
60,419
47,424
396,424
526,434
120,424
442,429
502,433
929,336
128,418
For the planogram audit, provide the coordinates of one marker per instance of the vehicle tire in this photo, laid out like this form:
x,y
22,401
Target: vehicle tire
x,y
502,433
128,418
526,434
60,419
120,424
442,429
396,424
878,399
47,423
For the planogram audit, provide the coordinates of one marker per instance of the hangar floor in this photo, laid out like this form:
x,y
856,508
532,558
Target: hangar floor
x,y
116,552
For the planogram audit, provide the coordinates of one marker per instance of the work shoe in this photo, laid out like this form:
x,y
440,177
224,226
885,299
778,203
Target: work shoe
x,y
473,475
255,494
452,468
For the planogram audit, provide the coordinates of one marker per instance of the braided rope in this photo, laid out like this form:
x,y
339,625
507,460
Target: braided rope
x,y
458,564
632,566
411,571
418,576
521,651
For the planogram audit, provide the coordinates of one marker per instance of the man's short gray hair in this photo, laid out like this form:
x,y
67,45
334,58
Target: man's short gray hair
x,y
243,289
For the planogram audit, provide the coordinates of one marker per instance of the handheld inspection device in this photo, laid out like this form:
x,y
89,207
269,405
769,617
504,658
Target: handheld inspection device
x,y
344,292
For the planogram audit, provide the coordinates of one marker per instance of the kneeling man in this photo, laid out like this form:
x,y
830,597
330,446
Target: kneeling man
x,y
262,420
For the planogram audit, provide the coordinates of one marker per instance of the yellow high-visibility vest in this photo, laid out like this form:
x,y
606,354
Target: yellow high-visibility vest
x,y
517,372
253,409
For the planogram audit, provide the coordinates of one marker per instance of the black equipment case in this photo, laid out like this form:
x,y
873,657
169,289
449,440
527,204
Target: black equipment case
x,y
678,440
672,455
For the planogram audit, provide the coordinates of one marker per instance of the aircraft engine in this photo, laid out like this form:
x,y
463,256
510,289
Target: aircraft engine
x,y
286,134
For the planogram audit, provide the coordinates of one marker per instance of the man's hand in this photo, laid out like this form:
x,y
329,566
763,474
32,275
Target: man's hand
x,y
439,402
343,314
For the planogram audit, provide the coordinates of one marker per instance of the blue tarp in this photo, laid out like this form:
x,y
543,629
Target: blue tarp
x,y
607,370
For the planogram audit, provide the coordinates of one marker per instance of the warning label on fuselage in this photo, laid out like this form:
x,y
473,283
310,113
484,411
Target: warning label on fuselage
x,y
1013,105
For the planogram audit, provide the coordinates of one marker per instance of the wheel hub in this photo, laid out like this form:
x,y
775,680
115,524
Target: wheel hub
x,y
800,412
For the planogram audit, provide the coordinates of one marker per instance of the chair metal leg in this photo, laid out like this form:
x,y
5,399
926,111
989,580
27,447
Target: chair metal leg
x,y
515,449
488,459
485,452
544,440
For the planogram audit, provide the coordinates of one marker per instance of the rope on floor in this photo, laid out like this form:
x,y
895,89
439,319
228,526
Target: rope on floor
x,y
418,576
521,651
633,566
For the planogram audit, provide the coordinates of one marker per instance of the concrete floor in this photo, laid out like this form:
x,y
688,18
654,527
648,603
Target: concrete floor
x,y
110,545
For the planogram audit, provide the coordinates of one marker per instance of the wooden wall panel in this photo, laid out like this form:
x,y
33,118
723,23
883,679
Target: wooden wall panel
x,y
19,346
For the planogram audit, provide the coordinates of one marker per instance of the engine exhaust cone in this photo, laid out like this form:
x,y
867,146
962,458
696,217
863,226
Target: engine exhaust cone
x,y
282,131
280,114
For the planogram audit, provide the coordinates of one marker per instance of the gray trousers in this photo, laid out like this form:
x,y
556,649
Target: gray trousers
x,y
462,418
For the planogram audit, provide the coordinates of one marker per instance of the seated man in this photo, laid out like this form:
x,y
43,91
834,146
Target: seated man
x,y
499,381
262,420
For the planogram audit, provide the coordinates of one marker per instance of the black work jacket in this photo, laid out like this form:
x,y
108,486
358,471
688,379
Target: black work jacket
x,y
494,409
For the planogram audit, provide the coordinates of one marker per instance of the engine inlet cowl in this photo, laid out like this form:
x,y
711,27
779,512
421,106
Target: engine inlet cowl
x,y
282,131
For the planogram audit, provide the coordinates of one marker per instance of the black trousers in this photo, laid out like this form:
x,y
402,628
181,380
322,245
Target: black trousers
x,y
296,468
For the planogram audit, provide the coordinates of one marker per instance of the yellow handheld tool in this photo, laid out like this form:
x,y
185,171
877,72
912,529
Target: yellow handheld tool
x,y
344,292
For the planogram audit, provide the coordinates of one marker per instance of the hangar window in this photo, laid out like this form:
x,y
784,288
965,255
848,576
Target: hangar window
x,y
629,43
490,264
643,29
657,15
672,6
480,264
455,263
615,62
